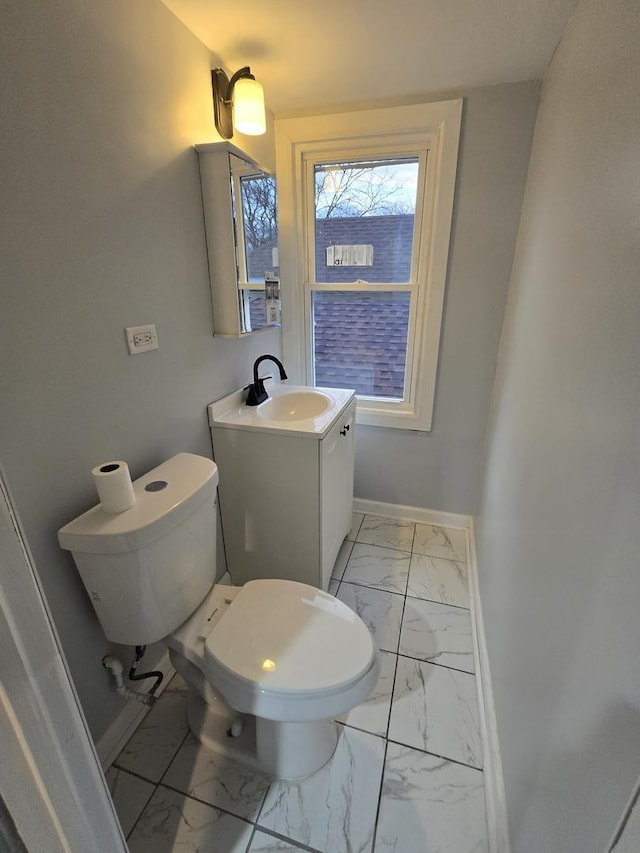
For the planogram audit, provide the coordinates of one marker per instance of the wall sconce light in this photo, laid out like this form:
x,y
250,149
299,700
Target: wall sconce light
x,y
238,103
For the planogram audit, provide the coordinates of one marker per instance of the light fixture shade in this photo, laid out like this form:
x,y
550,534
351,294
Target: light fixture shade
x,y
248,107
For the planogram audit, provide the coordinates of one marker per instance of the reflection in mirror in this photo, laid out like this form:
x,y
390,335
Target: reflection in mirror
x,y
256,240
239,206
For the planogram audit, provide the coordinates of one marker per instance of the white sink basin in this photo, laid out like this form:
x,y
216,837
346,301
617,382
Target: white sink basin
x,y
290,410
294,406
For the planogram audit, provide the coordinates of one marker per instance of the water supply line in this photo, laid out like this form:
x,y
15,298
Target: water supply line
x,y
154,673
115,667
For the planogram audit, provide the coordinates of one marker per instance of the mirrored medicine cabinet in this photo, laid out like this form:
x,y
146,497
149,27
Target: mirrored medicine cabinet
x,y
239,201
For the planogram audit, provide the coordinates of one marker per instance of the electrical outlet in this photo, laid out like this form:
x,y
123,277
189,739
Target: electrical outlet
x,y
141,338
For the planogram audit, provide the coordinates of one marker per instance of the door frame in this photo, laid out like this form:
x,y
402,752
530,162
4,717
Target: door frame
x,y
56,793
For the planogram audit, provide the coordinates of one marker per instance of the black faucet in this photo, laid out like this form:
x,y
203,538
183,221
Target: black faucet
x,y
257,394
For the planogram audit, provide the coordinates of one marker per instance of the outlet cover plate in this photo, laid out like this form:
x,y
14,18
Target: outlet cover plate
x,y
141,338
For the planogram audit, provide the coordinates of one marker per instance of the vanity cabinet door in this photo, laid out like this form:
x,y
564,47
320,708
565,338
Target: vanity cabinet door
x,y
269,505
285,500
336,489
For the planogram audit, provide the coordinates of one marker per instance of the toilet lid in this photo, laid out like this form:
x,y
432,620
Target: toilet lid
x,y
290,637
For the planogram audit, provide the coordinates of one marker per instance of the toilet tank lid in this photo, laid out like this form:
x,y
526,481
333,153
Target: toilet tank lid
x,y
189,479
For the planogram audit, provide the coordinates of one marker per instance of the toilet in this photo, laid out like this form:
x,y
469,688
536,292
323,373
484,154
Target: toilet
x,y
268,665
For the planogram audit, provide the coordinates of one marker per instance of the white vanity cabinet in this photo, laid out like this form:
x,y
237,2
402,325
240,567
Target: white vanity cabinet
x,y
285,499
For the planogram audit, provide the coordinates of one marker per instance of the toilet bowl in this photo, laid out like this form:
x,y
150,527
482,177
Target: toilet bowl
x,y
268,665
276,661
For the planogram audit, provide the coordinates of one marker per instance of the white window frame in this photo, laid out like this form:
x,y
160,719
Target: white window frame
x,y
429,131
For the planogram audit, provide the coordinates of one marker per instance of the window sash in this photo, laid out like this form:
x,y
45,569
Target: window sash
x,y
378,403
384,153
376,400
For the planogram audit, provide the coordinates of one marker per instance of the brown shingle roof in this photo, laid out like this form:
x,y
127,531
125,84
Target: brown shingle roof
x,y
360,337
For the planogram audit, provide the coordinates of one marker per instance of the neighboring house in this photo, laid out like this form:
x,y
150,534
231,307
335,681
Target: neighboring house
x,y
360,337
389,235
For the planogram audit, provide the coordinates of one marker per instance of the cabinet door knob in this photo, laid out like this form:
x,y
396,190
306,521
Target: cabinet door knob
x,y
343,432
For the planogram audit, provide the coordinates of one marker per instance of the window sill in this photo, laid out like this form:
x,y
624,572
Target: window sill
x,y
367,415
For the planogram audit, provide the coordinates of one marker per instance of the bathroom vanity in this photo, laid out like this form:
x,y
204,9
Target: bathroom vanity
x,y
286,481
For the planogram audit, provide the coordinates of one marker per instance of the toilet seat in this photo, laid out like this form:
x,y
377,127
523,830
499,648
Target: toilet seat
x,y
263,653
237,629
272,633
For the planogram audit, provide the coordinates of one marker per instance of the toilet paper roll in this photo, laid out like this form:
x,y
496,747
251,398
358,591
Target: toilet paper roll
x,y
114,486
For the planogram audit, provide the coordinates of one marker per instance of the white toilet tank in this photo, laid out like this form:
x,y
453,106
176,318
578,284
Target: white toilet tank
x,y
148,568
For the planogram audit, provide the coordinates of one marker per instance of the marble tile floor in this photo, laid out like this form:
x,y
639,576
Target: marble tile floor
x,y
406,776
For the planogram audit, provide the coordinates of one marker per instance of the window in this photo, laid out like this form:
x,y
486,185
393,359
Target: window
x,y
363,236
365,226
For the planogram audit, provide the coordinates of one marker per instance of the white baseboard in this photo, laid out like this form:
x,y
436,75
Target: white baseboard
x,y
495,801
412,513
128,720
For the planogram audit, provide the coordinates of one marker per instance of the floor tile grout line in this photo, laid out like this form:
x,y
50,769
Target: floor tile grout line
x,y
433,663
135,773
368,731
254,823
384,766
393,686
383,547
298,844
436,601
346,562
410,520
403,594
156,785
173,757
411,551
452,559
395,674
355,536
162,775
192,796
378,588
435,755
349,725
443,666
439,557
251,837
264,800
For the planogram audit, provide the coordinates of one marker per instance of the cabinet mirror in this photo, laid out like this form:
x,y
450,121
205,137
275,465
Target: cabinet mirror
x,y
239,201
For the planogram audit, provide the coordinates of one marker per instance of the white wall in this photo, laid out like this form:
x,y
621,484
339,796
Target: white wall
x,y
102,229
558,531
441,469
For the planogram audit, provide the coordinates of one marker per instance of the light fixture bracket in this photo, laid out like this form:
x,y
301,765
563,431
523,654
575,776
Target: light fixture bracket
x,y
223,98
